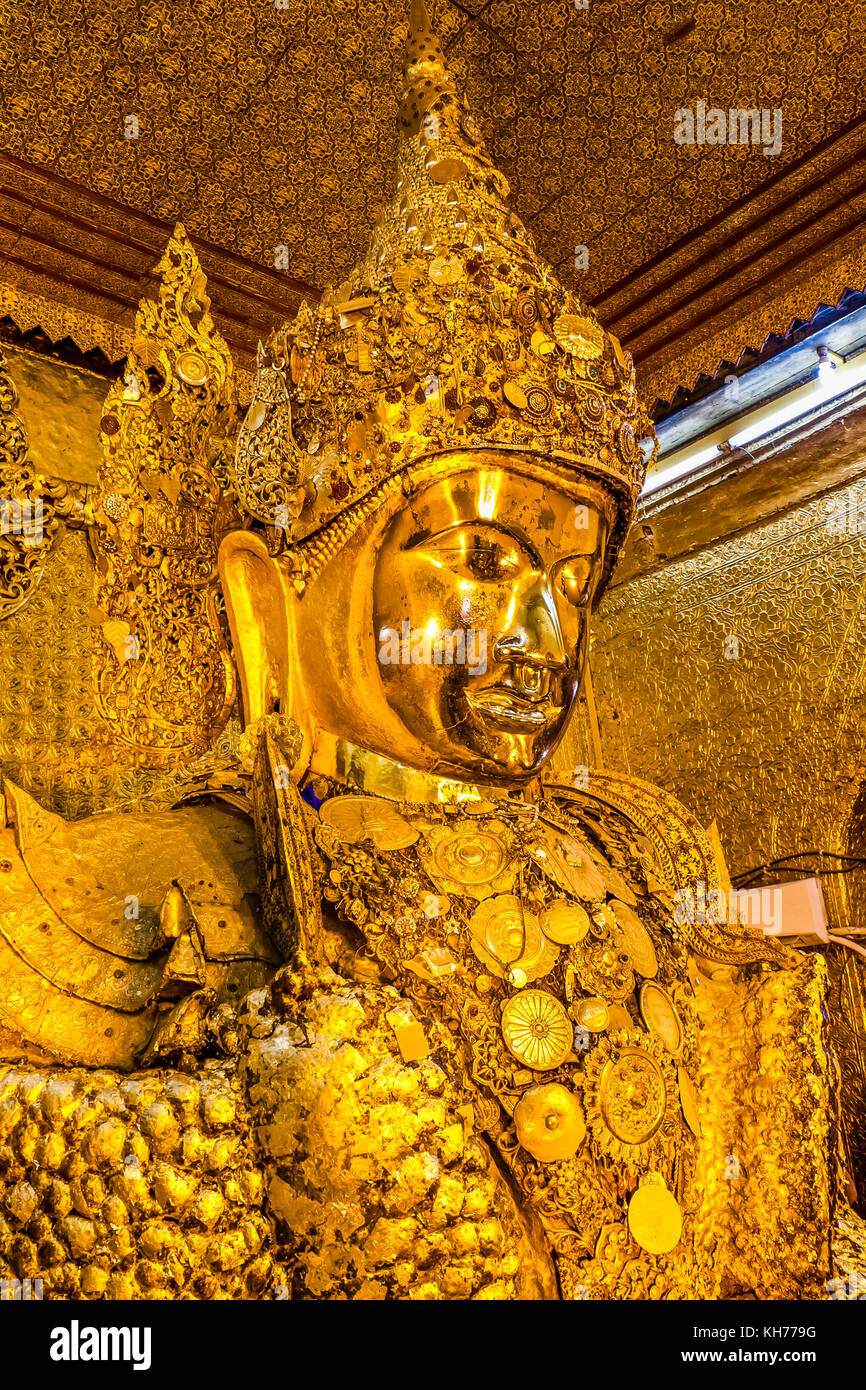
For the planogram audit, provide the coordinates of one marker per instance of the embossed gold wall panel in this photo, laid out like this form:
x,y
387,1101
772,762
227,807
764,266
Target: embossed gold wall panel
x,y
62,406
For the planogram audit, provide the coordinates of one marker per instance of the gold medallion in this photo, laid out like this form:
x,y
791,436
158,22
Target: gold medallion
x,y
509,942
655,1219
515,395
636,941
356,818
689,1102
633,1095
549,1122
661,1017
541,343
473,857
537,1030
496,932
591,1014
564,922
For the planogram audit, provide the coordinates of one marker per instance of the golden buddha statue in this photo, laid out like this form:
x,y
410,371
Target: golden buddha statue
x,y
498,1062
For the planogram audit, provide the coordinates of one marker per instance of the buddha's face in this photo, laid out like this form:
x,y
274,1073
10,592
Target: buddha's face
x,y
447,634
480,599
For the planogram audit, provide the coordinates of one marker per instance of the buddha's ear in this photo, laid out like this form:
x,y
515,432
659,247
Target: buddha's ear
x,y
257,604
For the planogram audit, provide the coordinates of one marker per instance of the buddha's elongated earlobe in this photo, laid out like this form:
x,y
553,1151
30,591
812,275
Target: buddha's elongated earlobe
x,y
260,605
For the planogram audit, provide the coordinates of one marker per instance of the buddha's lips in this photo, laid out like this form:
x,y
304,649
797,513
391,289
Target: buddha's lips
x,y
507,707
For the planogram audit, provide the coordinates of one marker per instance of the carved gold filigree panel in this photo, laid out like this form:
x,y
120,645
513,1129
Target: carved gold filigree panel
x,y
165,680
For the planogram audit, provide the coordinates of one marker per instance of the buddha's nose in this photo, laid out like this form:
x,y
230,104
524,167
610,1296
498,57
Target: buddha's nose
x,y
533,636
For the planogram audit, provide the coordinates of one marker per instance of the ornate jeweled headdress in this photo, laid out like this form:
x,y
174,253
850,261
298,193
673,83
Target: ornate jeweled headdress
x,y
451,334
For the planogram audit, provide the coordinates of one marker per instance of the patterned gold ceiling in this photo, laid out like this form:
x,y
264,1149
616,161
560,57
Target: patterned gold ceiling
x,y
263,127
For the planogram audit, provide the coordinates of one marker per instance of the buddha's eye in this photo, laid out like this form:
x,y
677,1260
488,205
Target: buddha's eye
x,y
573,579
475,553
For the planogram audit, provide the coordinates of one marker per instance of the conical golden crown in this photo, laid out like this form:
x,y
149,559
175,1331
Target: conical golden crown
x,y
451,334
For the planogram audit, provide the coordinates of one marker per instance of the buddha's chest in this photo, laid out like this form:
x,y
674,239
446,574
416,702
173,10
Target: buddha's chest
x,y
540,956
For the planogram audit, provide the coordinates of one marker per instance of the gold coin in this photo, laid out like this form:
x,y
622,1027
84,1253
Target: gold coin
x,y
355,818
592,1014
636,941
192,368
515,395
537,1030
689,1102
541,343
661,1017
655,1219
564,922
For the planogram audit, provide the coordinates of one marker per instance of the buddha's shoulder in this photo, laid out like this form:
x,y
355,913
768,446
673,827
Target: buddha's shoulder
x,y
106,922
638,825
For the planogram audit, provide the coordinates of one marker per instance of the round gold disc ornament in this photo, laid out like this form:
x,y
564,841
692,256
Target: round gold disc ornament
x,y
445,270
591,1014
192,368
661,1017
541,343
564,922
655,1219
578,335
633,1096
356,818
474,857
689,1102
549,1122
636,940
537,1030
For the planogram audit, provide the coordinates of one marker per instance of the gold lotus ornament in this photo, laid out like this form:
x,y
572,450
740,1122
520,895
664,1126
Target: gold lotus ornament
x,y
473,858
549,1122
578,335
537,1030
567,864
356,818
